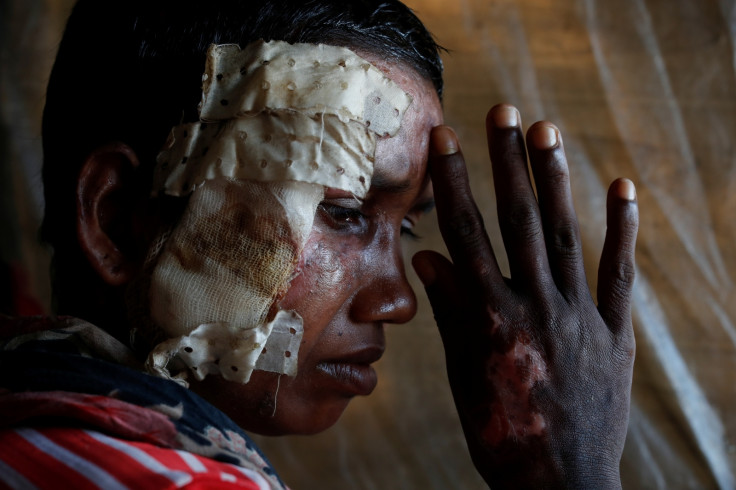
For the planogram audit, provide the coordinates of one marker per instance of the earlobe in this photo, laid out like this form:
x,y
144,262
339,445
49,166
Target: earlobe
x,y
106,193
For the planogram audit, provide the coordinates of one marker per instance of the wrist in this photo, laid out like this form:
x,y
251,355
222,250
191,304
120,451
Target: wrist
x,y
536,465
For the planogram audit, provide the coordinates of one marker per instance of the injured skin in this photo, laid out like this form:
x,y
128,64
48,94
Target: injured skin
x,y
348,282
515,373
223,266
273,134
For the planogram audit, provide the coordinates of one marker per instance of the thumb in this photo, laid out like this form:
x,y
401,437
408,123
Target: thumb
x,y
438,276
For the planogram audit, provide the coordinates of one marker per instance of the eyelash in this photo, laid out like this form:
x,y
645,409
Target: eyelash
x,y
345,218
408,232
342,217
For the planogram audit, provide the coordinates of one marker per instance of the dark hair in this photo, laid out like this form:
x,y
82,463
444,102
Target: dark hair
x,y
129,70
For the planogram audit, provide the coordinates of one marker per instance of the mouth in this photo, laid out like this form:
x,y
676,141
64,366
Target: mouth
x,y
352,374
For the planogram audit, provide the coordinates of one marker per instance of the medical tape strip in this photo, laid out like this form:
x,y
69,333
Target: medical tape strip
x,y
269,147
271,98
271,112
306,78
214,348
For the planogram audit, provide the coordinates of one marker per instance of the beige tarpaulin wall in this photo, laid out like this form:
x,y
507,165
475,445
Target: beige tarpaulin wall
x,y
640,88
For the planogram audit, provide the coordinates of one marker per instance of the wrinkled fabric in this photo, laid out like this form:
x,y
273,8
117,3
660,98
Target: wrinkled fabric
x,y
62,376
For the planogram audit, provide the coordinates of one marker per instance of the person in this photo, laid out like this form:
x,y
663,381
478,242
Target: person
x,y
541,375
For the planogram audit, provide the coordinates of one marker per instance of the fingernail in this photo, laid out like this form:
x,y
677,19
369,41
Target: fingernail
x,y
506,117
625,189
444,141
545,136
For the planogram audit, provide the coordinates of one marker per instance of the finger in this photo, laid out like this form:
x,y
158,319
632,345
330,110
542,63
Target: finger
x,y
450,309
448,303
559,221
518,213
460,222
616,270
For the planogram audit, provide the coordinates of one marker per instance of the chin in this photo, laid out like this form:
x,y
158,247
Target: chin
x,y
293,423
266,407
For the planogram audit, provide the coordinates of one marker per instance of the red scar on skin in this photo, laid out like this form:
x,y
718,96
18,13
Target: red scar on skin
x,y
514,374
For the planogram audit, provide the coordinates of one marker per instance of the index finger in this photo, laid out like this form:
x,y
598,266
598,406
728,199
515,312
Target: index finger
x,y
460,222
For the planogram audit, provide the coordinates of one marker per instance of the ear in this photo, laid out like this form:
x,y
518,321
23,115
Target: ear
x,y
107,198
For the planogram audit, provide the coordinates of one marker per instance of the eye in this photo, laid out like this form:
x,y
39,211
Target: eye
x,y
407,230
345,216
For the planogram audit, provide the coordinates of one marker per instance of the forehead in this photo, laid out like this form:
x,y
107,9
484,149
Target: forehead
x,y
258,119
402,159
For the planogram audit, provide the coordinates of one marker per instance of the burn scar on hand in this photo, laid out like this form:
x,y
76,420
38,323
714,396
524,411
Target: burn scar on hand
x,y
514,374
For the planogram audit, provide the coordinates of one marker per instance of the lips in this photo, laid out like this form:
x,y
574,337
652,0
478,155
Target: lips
x,y
352,374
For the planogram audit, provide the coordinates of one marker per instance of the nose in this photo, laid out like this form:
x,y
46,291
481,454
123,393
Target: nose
x,y
385,295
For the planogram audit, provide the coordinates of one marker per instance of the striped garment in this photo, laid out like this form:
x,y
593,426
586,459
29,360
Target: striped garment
x,y
70,417
76,458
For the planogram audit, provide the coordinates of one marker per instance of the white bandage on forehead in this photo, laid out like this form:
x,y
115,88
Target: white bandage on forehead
x,y
303,112
278,124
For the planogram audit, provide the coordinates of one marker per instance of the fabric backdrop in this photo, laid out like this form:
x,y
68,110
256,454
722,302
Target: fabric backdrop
x,y
639,88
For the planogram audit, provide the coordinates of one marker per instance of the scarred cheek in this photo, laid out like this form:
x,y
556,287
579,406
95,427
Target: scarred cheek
x,y
318,265
323,274
513,374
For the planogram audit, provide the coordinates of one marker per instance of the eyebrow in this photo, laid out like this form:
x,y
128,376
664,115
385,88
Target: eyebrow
x,y
384,183
425,206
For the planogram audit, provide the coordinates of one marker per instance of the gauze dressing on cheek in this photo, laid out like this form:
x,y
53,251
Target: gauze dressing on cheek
x,y
220,271
278,123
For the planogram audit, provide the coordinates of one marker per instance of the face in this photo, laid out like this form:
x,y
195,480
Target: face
x,y
350,282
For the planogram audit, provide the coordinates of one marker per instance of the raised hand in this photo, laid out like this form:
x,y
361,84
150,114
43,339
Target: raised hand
x,y
541,376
